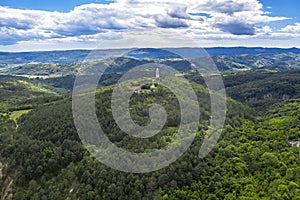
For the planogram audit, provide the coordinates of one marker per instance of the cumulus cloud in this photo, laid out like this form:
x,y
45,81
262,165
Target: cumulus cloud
x,y
225,6
292,28
237,28
91,21
169,22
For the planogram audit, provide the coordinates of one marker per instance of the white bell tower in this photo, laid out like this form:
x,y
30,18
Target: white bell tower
x,y
157,73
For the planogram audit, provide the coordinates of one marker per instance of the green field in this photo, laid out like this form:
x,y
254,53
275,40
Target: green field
x,y
17,114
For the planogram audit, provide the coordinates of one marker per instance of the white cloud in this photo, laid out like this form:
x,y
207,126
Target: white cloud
x,y
91,22
292,28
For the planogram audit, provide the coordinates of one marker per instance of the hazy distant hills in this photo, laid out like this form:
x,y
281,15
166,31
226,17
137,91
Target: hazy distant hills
x,y
62,63
73,56
196,52
273,61
56,57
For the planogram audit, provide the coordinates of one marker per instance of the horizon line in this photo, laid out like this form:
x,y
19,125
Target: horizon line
x,y
114,49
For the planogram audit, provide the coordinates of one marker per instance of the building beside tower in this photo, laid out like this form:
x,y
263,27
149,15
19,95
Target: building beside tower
x,y
150,85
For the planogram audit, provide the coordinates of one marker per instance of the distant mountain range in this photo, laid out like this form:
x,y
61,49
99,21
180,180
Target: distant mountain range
x,y
73,56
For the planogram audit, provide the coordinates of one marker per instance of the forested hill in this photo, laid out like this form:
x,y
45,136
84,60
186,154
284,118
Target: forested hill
x,y
19,93
259,89
44,159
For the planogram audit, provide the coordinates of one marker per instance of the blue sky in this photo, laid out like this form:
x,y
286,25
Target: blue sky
x,y
50,5
287,8
82,24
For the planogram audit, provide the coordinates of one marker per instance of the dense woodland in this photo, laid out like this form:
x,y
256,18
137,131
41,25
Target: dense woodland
x,y
42,156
